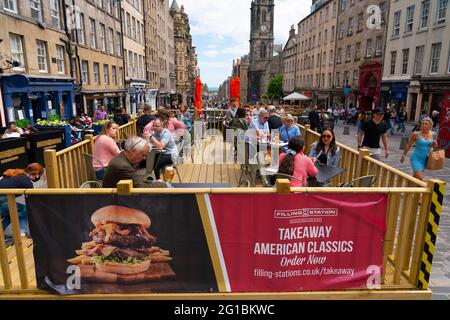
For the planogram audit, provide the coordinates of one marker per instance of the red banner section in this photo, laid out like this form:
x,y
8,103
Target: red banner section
x,y
300,242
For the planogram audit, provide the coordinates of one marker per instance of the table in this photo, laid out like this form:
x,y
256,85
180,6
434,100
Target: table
x,y
201,185
326,173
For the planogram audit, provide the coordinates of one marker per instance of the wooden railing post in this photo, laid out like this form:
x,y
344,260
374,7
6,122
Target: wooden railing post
x,y
4,263
51,169
428,228
124,187
283,186
362,167
90,137
134,128
307,136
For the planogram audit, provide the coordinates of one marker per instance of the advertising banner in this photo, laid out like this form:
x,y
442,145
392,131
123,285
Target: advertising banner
x,y
109,244
299,242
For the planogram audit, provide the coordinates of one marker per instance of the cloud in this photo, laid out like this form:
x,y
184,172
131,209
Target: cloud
x,y
221,31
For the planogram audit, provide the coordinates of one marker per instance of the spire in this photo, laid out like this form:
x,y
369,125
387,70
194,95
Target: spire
x,y
175,7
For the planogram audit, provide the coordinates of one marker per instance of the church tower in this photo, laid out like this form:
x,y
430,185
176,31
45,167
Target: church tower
x,y
261,45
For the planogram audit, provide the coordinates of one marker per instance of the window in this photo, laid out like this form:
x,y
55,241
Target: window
x,y
36,12
324,58
130,64
325,37
138,32
360,20
54,13
109,6
114,75
128,25
16,43
418,60
92,35
60,59
318,60
424,14
393,61
10,5
341,30
105,74
435,56
378,45
331,57
338,55
409,19
358,51
396,27
350,26
118,44
79,17
383,12
338,79
96,73
102,37
111,41
120,76
84,72
333,29
42,56
355,74
348,54
369,48
405,61
133,29
135,66
441,11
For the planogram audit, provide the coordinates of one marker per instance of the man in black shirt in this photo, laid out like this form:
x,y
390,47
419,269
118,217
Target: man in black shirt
x,y
372,131
314,120
144,120
275,121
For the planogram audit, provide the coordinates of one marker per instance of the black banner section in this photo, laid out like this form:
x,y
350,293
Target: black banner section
x,y
105,244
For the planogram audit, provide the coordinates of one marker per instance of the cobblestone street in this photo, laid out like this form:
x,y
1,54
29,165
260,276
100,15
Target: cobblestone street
x,y
440,274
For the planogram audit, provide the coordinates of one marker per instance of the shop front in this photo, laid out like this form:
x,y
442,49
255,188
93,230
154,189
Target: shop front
x,y
433,92
394,94
151,98
136,95
36,98
111,100
369,86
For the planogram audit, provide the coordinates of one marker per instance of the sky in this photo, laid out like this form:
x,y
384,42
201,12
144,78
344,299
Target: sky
x,y
220,30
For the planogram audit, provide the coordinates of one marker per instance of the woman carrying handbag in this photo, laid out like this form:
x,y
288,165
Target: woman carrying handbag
x,y
426,142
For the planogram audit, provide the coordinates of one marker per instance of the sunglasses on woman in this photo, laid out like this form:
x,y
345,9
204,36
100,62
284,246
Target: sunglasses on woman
x,y
328,136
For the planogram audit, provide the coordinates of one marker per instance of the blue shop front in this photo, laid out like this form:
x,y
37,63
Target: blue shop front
x,y
36,98
394,94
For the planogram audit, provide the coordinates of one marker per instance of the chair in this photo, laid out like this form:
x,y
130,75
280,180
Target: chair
x,y
286,176
260,158
249,163
362,182
91,185
89,160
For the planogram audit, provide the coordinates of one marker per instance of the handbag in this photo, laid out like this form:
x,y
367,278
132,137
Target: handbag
x,y
436,160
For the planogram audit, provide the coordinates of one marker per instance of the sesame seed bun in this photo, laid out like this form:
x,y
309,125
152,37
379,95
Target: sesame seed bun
x,y
122,215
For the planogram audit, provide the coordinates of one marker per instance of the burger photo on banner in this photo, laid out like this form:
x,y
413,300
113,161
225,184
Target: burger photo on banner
x,y
122,250
112,244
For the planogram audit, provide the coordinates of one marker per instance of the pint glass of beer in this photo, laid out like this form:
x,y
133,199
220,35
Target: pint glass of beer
x,y
169,174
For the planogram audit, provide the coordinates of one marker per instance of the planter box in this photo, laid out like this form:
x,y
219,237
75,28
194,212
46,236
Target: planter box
x,y
13,154
65,129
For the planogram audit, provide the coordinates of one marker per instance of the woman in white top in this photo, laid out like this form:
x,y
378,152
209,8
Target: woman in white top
x,y
13,131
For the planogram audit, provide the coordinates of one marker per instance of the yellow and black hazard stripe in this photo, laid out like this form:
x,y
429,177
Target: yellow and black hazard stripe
x,y
431,234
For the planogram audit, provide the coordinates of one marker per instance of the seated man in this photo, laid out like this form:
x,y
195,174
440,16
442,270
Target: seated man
x,y
123,166
162,139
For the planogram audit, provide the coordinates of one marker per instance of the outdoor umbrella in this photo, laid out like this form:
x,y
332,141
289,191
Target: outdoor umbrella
x,y
296,96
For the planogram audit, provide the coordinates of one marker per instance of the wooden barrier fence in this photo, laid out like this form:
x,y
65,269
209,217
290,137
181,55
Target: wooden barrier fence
x,y
67,168
411,214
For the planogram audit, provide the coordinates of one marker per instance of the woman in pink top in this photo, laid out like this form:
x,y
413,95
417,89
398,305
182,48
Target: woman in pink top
x,y
105,148
295,163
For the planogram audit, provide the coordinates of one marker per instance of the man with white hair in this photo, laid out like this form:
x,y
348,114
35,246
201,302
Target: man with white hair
x,y
124,165
275,121
259,107
259,127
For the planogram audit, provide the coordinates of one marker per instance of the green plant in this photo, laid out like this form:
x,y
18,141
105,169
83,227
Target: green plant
x,y
275,89
48,123
23,123
54,117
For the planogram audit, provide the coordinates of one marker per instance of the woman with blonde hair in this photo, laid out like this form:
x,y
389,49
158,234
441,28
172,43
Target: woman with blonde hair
x,y
425,141
105,148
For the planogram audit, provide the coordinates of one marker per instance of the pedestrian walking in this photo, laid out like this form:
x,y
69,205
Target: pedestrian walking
x,y
314,120
370,134
393,120
336,116
401,118
425,140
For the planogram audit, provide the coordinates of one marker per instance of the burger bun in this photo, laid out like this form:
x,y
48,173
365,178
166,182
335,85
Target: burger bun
x,y
120,215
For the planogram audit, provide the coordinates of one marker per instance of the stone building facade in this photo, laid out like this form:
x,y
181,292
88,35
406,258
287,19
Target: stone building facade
x,y
35,69
416,71
290,62
316,52
360,39
151,51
